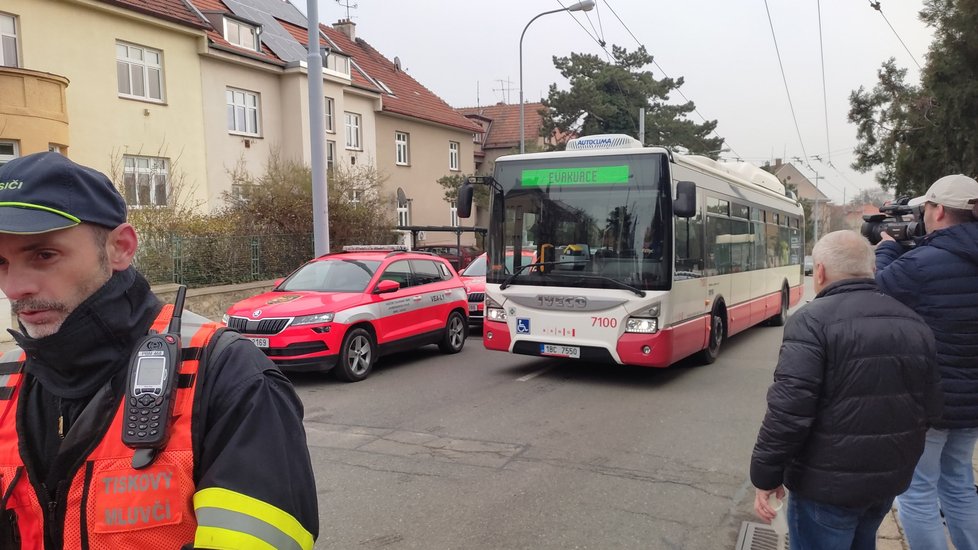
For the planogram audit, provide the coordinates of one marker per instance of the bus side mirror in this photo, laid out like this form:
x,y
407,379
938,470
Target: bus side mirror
x,y
685,204
463,204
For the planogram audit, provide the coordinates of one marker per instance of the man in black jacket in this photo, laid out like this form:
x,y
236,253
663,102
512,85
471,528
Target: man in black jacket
x,y
855,387
235,471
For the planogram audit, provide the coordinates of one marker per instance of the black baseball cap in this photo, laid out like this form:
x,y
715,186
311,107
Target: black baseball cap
x,y
46,192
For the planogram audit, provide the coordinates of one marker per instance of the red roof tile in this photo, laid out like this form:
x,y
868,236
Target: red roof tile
x,y
504,130
410,98
176,11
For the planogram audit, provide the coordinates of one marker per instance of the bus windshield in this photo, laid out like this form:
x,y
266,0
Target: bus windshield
x,y
594,221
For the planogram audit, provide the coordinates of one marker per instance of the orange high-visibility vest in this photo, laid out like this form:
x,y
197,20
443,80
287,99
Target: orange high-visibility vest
x,y
110,505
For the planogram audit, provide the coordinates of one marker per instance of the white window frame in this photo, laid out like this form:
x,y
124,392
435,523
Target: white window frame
x,y
453,156
404,214
330,115
330,154
353,125
8,36
134,168
453,213
402,148
14,146
238,26
244,112
139,58
355,196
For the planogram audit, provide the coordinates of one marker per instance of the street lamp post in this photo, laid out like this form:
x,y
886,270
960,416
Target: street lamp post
x,y
583,5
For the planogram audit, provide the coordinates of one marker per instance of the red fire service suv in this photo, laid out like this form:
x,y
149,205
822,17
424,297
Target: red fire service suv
x,y
474,277
346,309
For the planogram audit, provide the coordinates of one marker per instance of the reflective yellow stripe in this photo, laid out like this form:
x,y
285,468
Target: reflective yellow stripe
x,y
215,538
225,515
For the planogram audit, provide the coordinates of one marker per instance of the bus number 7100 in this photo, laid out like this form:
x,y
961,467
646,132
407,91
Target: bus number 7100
x,y
604,322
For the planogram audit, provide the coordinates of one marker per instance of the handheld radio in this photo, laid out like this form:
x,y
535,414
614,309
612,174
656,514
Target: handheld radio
x,y
153,372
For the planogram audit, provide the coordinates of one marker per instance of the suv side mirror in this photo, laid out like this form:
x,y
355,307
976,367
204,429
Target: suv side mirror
x,y
685,204
387,286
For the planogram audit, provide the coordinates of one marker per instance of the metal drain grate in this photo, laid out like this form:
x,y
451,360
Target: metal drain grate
x,y
759,536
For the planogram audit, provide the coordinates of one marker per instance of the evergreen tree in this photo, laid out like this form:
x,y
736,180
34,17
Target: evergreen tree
x,y
605,98
917,133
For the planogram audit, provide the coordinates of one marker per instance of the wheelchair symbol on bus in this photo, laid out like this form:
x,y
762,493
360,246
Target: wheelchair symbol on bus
x,y
522,325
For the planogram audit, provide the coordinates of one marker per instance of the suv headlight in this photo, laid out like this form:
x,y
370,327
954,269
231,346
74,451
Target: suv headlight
x,y
494,311
225,318
313,319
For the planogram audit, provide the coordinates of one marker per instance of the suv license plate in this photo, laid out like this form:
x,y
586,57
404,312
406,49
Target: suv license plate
x,y
573,352
473,306
260,342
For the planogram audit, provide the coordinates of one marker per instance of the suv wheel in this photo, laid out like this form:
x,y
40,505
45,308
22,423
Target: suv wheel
x,y
455,332
357,356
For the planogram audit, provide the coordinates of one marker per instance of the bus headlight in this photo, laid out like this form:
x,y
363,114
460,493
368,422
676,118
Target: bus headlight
x,y
494,311
642,325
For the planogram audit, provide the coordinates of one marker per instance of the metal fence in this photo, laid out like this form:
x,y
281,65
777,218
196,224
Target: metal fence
x,y
198,261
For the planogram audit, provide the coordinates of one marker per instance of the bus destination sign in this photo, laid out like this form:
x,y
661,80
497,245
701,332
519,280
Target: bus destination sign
x,y
588,175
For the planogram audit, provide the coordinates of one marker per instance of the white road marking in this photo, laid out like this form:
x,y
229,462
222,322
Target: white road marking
x,y
533,375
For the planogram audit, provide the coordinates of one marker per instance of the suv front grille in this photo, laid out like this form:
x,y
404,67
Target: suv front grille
x,y
260,326
477,297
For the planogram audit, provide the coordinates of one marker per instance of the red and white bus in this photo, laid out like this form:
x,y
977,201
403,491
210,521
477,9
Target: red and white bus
x,y
644,256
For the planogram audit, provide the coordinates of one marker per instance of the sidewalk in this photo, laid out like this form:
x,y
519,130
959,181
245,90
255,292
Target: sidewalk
x,y
890,535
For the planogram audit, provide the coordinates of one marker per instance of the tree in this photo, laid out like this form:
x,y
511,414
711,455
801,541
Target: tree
x,y
605,98
916,133
280,201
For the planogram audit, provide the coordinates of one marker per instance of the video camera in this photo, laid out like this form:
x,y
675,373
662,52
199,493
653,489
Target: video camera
x,y
893,219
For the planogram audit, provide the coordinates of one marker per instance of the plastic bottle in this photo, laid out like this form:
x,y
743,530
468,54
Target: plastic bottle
x,y
780,521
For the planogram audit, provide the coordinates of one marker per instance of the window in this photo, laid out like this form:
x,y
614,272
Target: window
x,y
355,196
403,211
9,150
453,213
477,137
241,34
55,148
140,72
242,112
329,116
427,272
8,41
145,180
352,130
401,147
399,271
330,154
453,155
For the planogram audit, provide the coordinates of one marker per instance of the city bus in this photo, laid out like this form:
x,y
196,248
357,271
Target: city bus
x,y
644,256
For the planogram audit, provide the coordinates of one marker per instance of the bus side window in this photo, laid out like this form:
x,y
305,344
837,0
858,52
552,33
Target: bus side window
x,y
689,248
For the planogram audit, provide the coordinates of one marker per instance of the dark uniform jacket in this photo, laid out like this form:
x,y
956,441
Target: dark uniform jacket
x,y
248,435
855,385
939,280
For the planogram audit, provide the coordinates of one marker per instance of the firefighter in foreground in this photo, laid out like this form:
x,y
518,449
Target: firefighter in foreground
x,y
115,430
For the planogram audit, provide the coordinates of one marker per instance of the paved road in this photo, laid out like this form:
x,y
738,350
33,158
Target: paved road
x,y
495,451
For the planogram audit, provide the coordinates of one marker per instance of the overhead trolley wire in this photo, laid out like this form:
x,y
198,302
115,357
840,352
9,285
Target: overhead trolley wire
x,y
876,6
785,80
678,91
825,96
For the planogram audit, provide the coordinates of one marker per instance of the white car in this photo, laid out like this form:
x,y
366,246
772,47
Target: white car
x,y
809,265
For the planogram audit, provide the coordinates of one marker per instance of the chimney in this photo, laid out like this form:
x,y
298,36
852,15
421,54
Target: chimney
x,y
347,27
777,163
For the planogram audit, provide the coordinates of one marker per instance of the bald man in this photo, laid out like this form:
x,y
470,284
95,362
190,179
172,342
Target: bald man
x,y
854,390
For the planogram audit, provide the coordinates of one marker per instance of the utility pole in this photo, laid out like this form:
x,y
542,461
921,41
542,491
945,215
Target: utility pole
x,y
816,178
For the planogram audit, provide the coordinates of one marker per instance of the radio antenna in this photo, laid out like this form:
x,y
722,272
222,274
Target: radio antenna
x,y
177,309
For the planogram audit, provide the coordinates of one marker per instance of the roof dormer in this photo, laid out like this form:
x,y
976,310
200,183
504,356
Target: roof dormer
x,y
241,33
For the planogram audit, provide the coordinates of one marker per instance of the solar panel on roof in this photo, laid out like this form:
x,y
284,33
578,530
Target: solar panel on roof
x,y
265,12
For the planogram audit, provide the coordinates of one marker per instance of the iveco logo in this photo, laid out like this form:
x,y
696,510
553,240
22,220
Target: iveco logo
x,y
256,313
561,302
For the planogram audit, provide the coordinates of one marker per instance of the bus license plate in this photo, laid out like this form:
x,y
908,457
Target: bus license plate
x,y
260,342
573,352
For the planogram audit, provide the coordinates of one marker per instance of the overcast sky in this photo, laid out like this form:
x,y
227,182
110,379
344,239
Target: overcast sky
x,y
467,52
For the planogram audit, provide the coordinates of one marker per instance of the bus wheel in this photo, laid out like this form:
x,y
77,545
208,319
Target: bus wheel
x,y
712,350
782,316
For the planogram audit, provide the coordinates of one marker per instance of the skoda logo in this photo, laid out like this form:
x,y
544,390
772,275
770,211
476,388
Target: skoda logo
x,y
256,313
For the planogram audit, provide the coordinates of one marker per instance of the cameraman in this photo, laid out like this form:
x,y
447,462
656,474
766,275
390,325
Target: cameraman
x,y
939,280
